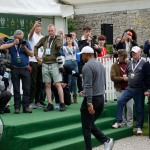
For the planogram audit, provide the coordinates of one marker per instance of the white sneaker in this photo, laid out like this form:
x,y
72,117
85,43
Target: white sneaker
x,y
118,125
109,144
38,105
139,131
32,106
57,106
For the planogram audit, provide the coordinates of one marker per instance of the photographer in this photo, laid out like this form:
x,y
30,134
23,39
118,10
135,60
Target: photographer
x,y
88,40
36,65
50,71
5,97
20,51
128,41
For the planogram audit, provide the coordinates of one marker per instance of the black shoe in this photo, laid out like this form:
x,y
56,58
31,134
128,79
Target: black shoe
x,y
1,111
6,110
49,108
17,111
62,107
42,103
27,110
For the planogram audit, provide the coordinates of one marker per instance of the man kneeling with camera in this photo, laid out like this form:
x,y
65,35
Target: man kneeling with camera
x,y
5,97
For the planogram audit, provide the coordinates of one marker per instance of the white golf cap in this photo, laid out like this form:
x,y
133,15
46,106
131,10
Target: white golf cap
x,y
135,49
86,49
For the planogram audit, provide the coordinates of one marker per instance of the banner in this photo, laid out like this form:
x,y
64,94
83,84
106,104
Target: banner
x,y
11,22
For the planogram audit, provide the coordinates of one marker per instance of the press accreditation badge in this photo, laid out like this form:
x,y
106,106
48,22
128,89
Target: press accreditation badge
x,y
48,51
1,128
132,75
18,60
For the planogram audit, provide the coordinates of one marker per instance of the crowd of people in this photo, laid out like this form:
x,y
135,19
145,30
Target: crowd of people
x,y
38,63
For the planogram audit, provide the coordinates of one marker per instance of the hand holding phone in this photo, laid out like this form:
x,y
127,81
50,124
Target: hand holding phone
x,y
39,19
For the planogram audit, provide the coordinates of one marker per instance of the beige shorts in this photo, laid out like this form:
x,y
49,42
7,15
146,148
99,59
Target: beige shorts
x,y
50,72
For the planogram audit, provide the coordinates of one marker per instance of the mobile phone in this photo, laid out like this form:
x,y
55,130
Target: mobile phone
x,y
39,19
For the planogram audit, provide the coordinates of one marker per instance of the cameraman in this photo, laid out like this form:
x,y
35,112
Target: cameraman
x,y
20,51
5,97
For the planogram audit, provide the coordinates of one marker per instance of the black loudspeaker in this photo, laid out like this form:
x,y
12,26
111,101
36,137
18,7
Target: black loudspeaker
x,y
107,30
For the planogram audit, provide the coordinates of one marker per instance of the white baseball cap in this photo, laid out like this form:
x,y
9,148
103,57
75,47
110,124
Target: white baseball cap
x,y
86,49
135,49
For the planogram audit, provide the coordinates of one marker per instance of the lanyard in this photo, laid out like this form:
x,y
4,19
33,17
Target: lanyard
x,y
17,49
50,44
123,70
72,52
133,69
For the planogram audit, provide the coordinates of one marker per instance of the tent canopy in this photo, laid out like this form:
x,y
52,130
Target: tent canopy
x,y
35,7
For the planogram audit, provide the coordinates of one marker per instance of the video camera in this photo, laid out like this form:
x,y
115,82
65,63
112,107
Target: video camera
x,y
22,41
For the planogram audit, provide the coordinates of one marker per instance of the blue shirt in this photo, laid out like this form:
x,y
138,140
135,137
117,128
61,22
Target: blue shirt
x,y
15,52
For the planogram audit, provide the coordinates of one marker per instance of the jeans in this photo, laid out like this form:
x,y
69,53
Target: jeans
x,y
23,74
138,97
72,81
88,120
127,114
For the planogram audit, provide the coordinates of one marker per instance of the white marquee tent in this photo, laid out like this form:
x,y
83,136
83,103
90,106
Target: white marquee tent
x,y
36,7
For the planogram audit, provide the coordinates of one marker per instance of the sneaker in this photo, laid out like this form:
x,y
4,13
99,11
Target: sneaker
x,y
109,144
49,107
118,125
32,106
57,106
62,107
139,131
39,105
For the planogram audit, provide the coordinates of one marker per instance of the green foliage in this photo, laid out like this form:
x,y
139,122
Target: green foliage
x,y
109,49
71,25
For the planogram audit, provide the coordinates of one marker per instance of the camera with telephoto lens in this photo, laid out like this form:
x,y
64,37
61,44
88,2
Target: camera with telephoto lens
x,y
22,41
59,61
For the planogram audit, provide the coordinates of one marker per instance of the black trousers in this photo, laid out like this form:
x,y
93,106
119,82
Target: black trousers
x,y
4,99
36,82
88,120
79,79
22,74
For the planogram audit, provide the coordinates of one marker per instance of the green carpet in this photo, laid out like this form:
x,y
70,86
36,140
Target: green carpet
x,y
55,130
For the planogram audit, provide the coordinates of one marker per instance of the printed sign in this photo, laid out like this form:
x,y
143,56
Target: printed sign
x,y
10,22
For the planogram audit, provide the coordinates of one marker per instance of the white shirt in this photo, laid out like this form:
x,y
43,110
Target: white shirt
x,y
33,41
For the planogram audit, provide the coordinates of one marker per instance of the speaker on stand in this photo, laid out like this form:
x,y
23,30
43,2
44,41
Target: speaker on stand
x,y
107,30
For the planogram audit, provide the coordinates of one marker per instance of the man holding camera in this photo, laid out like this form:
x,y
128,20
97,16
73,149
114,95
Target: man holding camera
x,y
36,65
50,66
20,51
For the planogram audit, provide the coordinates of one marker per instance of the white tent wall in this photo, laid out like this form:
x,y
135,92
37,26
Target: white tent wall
x,y
36,7
45,23
50,11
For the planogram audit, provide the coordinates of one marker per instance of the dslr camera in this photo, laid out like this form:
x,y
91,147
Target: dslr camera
x,y
22,41
59,61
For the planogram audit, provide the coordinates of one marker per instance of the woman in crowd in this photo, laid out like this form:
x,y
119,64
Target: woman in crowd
x,y
70,60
